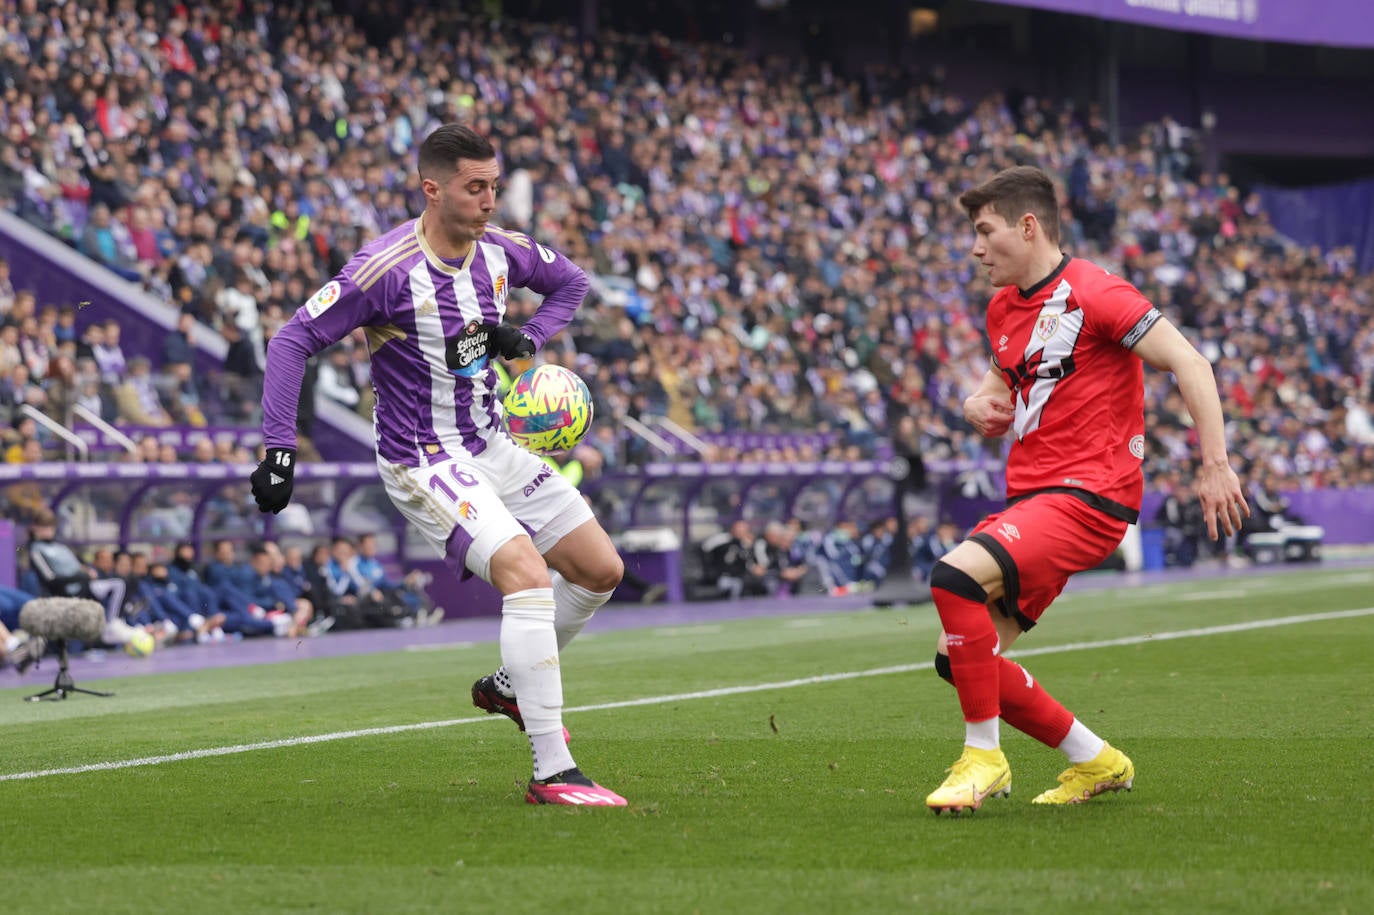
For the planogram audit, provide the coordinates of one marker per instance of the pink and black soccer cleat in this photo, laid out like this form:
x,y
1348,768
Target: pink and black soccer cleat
x,y
572,789
491,700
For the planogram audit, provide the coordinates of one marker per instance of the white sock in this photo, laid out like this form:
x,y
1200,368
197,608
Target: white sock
x,y
529,655
573,607
982,735
551,754
503,683
1081,745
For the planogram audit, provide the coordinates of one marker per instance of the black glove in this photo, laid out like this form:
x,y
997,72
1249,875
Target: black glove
x,y
510,342
272,480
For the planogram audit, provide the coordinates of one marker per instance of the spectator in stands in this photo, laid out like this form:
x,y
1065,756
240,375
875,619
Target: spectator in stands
x,y
177,347
6,288
363,605
138,400
224,568
786,567
408,591
335,380
283,605
36,345
178,391
106,240
90,393
10,355
107,352
735,562
16,390
1181,517
16,645
876,547
54,570
62,388
1273,510
238,305
340,607
928,546
840,558
242,374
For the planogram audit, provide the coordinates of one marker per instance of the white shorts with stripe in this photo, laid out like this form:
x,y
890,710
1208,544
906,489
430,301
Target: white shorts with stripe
x,y
468,507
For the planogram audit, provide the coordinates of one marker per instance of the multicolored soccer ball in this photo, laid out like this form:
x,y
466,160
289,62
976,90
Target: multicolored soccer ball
x,y
548,409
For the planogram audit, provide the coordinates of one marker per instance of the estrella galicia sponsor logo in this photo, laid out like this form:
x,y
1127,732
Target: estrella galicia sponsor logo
x,y
538,480
1137,447
466,351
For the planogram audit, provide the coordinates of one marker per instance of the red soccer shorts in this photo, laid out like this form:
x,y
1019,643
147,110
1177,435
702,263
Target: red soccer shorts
x,y
1039,543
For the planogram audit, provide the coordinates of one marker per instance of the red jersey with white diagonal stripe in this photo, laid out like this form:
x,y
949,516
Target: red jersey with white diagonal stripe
x,y
1064,348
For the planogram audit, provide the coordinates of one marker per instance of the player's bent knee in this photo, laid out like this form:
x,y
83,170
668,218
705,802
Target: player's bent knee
x,y
606,575
517,566
957,582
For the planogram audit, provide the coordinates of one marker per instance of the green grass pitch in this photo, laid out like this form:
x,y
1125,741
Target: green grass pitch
x,y
772,765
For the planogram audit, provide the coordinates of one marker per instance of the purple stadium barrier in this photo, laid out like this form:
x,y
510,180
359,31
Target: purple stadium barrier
x,y
183,438
156,505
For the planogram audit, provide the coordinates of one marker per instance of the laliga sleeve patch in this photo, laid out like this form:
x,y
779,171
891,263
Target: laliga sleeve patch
x,y
319,302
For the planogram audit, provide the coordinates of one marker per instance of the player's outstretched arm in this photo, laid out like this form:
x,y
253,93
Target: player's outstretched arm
x,y
1218,487
989,409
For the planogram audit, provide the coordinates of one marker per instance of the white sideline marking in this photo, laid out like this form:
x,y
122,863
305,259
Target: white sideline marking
x,y
1212,595
674,631
681,697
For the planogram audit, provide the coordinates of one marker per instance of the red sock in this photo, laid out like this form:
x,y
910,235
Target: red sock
x,y
972,641
1028,708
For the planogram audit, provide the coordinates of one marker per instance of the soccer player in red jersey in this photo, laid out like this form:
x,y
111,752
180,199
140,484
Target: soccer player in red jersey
x,y
1068,340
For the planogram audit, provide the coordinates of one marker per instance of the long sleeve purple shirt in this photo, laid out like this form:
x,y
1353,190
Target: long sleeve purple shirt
x,y
428,322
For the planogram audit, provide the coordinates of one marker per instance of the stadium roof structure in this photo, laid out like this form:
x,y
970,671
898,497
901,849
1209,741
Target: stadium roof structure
x,y
1338,23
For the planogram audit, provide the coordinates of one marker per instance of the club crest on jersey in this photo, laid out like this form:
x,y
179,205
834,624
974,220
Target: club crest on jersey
x,y
1046,326
319,303
498,291
467,510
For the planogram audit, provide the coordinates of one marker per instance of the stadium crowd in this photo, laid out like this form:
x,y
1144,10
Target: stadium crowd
x,y
156,597
770,248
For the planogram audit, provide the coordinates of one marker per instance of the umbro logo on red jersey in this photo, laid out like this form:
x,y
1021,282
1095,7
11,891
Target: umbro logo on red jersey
x,y
1009,531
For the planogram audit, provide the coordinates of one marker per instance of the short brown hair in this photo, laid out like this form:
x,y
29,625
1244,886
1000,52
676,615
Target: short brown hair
x,y
1014,192
441,150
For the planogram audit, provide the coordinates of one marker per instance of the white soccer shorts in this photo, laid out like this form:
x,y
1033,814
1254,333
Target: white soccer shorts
x,y
479,503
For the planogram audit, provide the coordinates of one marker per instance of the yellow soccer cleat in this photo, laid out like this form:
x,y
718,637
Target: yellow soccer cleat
x,y
977,774
1109,770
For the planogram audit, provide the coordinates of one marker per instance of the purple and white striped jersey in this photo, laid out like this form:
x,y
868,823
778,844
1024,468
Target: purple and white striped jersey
x,y
428,322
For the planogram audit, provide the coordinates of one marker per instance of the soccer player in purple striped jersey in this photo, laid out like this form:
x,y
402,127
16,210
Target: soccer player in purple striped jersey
x,y
431,296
